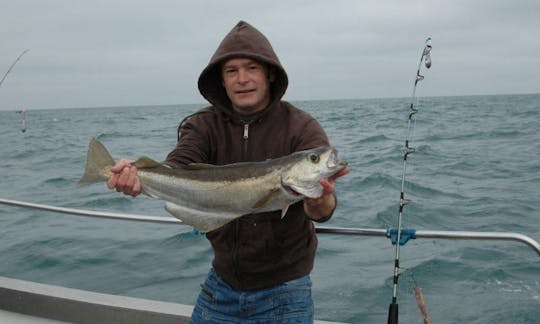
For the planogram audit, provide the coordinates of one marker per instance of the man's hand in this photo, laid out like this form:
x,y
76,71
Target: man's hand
x,y
323,206
124,178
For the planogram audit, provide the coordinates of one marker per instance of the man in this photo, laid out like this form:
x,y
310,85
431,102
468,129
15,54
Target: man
x,y
261,266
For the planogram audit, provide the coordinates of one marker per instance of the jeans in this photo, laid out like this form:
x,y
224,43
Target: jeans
x,y
289,302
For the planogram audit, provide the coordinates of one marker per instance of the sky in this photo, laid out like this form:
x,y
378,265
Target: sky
x,y
104,53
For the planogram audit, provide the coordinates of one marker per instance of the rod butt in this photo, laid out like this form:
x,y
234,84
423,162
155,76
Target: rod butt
x,y
393,314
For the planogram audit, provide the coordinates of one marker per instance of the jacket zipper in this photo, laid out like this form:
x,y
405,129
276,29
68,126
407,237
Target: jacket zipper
x,y
236,225
246,137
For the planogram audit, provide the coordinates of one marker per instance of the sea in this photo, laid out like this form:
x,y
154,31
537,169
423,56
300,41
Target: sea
x,y
476,167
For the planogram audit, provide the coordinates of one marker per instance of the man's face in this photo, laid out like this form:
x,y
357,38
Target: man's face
x,y
247,83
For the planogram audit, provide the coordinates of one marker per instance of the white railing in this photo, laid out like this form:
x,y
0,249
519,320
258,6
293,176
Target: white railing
x,y
388,233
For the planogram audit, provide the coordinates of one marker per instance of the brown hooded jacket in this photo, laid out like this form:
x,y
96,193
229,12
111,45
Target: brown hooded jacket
x,y
257,250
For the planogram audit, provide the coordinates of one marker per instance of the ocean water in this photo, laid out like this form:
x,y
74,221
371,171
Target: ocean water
x,y
477,168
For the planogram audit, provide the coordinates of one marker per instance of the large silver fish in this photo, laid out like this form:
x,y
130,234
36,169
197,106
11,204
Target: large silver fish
x,y
208,197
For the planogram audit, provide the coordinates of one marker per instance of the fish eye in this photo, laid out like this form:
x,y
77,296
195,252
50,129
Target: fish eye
x,y
314,158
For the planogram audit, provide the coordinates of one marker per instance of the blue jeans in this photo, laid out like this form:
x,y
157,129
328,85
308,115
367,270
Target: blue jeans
x,y
289,302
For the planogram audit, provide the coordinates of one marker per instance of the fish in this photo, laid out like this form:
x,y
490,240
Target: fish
x,y
419,296
209,196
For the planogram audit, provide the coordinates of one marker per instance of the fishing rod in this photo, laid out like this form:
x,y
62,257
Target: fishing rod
x,y
426,58
12,65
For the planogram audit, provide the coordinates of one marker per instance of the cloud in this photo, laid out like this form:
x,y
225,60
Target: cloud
x,y
106,53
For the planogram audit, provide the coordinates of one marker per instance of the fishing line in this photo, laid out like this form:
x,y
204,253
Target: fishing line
x,y
426,58
418,294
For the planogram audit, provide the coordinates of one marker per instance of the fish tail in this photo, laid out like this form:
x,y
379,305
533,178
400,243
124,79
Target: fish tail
x,y
97,160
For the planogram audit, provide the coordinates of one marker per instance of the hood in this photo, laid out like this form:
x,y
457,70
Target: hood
x,y
245,41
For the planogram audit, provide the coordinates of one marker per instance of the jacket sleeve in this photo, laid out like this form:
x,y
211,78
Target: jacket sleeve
x,y
193,142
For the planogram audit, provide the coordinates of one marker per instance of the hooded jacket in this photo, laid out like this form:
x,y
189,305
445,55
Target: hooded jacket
x,y
257,250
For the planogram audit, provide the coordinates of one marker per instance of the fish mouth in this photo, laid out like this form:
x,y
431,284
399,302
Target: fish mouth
x,y
334,164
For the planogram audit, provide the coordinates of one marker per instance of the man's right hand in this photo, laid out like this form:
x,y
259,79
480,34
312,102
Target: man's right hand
x,y
124,178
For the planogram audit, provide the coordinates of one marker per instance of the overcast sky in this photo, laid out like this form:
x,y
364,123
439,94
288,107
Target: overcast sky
x,y
115,53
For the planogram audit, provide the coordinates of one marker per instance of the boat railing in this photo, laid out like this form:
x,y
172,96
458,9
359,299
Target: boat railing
x,y
405,235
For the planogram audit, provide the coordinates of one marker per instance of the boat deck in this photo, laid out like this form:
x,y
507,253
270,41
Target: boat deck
x,y
24,302
17,318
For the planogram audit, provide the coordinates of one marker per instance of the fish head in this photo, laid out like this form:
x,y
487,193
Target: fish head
x,y
307,168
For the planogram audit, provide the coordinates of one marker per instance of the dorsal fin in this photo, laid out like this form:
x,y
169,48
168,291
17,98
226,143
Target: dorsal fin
x,y
146,162
198,166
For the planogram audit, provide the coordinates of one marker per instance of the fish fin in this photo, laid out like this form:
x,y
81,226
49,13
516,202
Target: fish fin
x,y
204,221
97,159
146,162
284,211
261,202
198,166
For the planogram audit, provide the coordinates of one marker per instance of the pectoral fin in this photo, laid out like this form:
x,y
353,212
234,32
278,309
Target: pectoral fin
x,y
266,198
284,211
